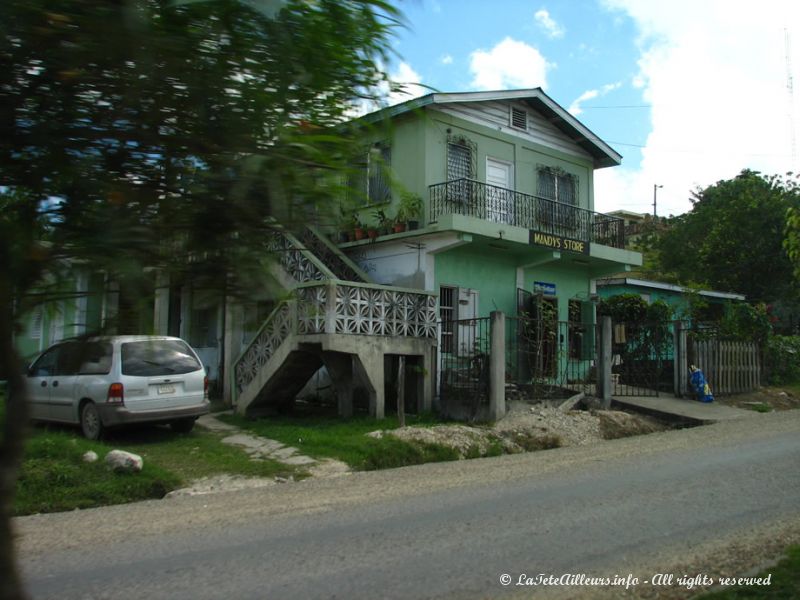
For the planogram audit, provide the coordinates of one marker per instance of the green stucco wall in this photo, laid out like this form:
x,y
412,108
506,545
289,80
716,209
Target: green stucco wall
x,y
419,151
494,276
527,156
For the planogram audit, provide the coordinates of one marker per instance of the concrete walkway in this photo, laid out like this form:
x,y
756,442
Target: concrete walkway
x,y
260,448
669,407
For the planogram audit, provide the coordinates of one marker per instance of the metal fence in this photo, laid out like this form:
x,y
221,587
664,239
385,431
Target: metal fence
x,y
548,359
642,358
464,364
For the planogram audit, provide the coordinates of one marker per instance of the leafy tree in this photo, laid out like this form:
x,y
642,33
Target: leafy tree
x,y
143,133
732,239
792,241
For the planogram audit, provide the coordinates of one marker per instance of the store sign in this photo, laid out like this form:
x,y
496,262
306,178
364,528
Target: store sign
x,y
558,242
542,287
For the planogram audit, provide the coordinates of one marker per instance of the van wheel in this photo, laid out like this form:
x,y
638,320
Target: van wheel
x,y
91,424
182,425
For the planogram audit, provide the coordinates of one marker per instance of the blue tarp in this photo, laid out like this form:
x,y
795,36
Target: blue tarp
x,y
700,386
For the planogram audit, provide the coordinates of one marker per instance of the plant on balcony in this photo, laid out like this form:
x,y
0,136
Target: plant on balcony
x,y
398,226
355,227
410,209
384,222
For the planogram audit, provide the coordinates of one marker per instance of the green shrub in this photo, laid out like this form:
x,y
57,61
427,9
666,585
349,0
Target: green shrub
x,y
782,357
389,453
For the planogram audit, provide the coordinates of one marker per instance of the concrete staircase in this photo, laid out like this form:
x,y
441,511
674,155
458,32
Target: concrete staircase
x,y
337,318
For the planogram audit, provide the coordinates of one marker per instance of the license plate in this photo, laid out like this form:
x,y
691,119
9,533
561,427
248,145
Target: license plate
x,y
166,389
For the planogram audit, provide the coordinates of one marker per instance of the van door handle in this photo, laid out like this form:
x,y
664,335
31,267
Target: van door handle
x,y
55,384
44,384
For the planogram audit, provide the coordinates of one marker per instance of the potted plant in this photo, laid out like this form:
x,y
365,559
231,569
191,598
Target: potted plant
x,y
384,222
357,228
398,226
410,210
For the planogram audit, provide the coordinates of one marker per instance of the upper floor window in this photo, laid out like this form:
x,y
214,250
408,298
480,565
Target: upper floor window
x,y
555,184
462,155
379,161
369,181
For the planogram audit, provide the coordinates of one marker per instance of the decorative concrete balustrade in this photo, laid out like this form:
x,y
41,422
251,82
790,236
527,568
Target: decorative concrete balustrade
x,y
339,308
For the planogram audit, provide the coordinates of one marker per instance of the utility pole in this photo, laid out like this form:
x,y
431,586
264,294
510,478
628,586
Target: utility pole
x,y
655,196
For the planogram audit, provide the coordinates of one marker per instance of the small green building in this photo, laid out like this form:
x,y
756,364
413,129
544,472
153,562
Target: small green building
x,y
679,298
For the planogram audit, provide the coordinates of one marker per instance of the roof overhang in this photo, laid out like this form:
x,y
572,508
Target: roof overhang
x,y
603,154
658,285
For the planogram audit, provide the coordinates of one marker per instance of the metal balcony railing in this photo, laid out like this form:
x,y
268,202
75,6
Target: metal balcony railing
x,y
500,205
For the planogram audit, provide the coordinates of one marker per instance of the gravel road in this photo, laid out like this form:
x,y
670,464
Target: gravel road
x,y
56,548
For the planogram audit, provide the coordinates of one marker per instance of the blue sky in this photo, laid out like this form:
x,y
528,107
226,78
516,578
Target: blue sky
x,y
688,91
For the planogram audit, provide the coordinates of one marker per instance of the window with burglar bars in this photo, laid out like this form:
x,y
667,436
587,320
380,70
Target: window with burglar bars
x,y
459,161
447,314
461,167
561,189
557,185
378,187
369,181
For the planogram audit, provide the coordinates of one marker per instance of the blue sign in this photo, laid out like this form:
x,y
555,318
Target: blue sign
x,y
542,287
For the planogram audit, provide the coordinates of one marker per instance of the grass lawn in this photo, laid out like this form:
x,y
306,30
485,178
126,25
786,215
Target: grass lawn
x,y
784,585
345,440
54,476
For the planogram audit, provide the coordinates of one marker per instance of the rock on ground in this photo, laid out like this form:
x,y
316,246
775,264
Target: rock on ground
x,y
122,461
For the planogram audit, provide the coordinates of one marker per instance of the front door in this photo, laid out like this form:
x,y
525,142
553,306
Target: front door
x,y
499,190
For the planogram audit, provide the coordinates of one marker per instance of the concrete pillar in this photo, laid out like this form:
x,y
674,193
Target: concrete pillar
x,y
497,366
340,369
330,309
680,366
368,369
604,357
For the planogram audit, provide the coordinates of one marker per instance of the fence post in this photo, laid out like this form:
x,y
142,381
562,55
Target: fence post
x,y
604,362
497,366
680,369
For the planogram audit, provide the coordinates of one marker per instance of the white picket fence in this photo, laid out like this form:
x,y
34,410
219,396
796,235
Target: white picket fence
x,y
729,367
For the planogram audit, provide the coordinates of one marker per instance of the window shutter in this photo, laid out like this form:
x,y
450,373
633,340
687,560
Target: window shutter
x,y
37,317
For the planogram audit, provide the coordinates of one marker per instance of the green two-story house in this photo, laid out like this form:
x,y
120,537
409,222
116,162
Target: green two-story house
x,y
501,185
507,183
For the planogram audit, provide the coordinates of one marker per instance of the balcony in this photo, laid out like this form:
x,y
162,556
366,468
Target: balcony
x,y
539,215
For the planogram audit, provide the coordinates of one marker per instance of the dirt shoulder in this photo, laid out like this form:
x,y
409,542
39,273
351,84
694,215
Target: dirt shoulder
x,y
527,428
773,397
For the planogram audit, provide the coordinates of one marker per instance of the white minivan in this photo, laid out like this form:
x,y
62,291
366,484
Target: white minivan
x,y
110,381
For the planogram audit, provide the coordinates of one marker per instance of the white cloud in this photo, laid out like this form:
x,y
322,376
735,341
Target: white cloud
x,y
716,83
408,86
510,64
447,59
575,108
546,22
409,81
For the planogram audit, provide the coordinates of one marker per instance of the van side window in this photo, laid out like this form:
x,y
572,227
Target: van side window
x,y
95,359
69,358
46,365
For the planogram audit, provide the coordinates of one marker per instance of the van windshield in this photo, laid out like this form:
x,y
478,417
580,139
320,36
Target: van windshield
x,y
157,357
